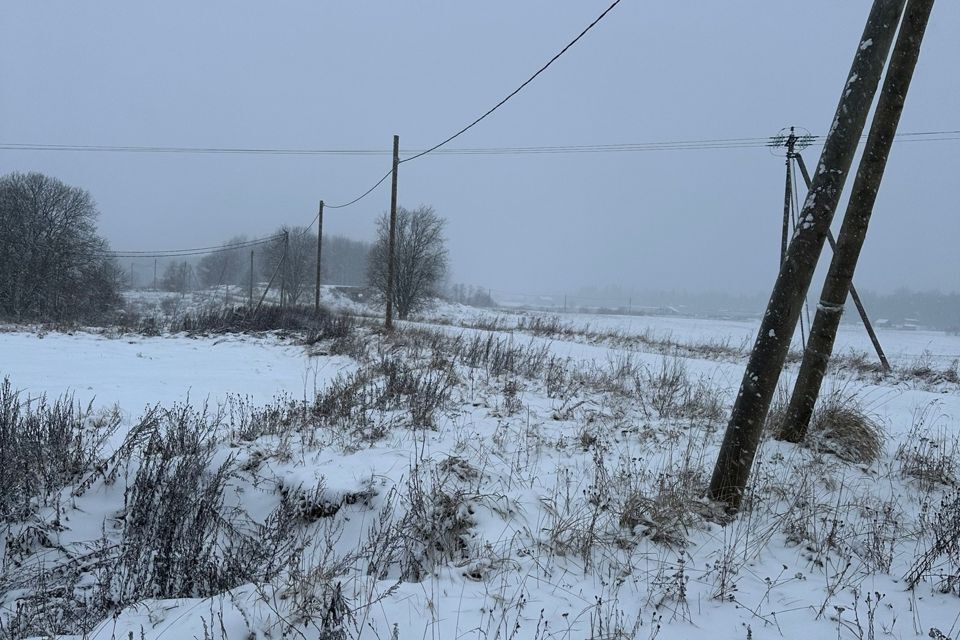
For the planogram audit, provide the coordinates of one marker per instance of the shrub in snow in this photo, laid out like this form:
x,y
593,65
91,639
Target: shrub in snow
x,y
43,447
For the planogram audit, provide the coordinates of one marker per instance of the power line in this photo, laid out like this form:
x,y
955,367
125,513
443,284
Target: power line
x,y
666,145
360,197
172,253
325,152
677,145
15,146
346,204
518,89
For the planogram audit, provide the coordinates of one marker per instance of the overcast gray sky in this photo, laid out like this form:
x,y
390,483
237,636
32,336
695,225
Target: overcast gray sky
x,y
351,74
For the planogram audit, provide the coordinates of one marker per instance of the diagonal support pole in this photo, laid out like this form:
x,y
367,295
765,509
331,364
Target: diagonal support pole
x,y
858,303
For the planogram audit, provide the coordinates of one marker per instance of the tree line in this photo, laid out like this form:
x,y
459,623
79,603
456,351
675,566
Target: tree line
x,y
54,266
420,258
344,263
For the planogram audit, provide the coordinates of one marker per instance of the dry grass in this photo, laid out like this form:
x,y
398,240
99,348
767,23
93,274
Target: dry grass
x,y
594,470
840,425
43,447
929,454
669,512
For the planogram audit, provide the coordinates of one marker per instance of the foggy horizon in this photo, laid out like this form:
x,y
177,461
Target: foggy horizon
x,y
312,76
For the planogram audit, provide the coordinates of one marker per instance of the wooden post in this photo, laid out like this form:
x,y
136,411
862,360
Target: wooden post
x,y
283,267
854,295
742,437
856,220
250,302
392,241
316,302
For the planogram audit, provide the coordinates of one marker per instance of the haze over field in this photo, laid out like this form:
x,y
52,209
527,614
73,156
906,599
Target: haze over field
x,y
547,395
348,76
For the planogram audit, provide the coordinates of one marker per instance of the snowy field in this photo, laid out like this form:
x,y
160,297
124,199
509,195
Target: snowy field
x,y
478,475
134,372
901,346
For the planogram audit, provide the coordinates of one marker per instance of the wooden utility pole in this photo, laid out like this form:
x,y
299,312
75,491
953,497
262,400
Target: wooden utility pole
x,y
854,295
787,198
154,274
392,241
316,300
742,437
250,303
284,269
854,229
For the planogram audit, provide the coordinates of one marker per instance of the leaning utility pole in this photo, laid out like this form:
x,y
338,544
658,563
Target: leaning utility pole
x,y
742,436
854,229
392,241
316,302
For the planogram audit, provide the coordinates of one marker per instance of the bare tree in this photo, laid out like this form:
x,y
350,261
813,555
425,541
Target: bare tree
x,y
421,259
224,267
345,261
53,262
300,266
178,277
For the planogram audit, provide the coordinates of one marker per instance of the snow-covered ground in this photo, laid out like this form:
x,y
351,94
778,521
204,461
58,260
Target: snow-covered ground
x,y
480,481
134,372
900,346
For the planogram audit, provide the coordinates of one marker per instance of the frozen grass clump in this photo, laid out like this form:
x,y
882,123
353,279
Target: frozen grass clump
x,y
841,425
